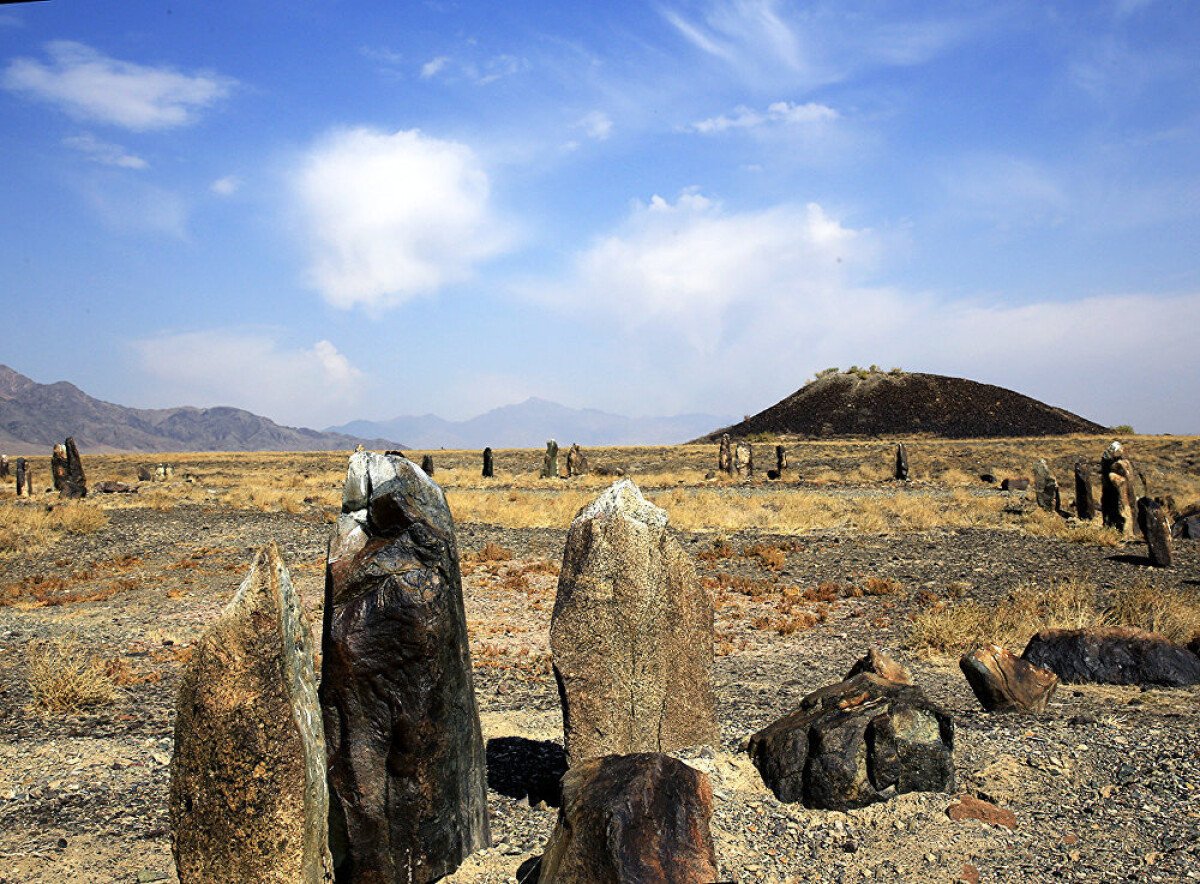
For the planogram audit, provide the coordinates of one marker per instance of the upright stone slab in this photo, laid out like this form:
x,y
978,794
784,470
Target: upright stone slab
x,y
781,461
577,464
743,459
725,455
1155,523
632,633
1117,498
489,466
73,482
1085,503
550,461
427,465
248,798
58,466
632,818
406,762
4,466
20,475
1045,487
901,463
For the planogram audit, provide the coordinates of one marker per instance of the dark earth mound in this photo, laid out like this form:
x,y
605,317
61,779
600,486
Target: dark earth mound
x,y
885,404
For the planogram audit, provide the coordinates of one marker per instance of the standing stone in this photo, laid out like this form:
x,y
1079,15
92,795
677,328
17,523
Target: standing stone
x,y
1045,487
577,464
1155,522
631,634
58,466
406,763
248,799
489,467
427,465
781,462
1085,503
632,818
1004,682
725,456
901,463
72,482
743,459
550,461
20,471
1117,506
3,466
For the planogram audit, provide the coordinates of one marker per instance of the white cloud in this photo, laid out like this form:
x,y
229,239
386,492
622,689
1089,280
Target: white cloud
x,y
226,186
596,125
434,66
104,152
393,216
251,370
91,86
779,112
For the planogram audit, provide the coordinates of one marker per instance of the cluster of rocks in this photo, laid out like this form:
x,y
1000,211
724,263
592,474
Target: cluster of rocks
x,y
155,473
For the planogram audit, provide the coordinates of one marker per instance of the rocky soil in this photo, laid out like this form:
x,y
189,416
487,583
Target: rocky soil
x,y
1105,786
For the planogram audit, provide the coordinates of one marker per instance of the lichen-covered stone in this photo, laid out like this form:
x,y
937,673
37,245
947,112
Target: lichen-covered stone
x,y
248,797
1045,487
632,818
743,459
406,759
631,634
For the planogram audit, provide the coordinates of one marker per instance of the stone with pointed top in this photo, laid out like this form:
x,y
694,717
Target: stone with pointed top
x,y
550,461
248,794
631,634
725,455
901,462
1155,523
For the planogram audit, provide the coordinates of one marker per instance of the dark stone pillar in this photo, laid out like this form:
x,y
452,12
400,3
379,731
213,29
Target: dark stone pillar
x,y
1155,523
550,461
427,465
1085,503
901,463
73,482
20,468
489,468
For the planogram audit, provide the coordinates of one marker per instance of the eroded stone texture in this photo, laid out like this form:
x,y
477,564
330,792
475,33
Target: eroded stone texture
x,y
1117,497
19,469
69,480
632,818
58,466
632,633
4,470
489,466
879,663
427,465
577,464
850,744
248,797
1045,487
1113,655
725,455
901,463
550,461
1155,523
406,758
1085,502
743,459
1004,682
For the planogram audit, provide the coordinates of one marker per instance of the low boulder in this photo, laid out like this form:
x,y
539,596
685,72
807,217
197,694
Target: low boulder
x,y
114,488
879,663
629,818
1113,655
1004,682
863,740
1014,484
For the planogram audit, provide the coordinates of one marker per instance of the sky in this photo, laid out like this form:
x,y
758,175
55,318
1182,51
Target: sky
x,y
323,210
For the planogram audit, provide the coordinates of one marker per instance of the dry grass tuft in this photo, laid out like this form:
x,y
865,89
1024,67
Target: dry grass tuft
x,y
1174,615
491,552
28,527
64,677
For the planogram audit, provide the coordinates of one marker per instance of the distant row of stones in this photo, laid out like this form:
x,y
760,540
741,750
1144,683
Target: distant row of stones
x,y
379,774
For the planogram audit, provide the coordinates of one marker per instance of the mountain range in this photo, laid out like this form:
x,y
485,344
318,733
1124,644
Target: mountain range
x,y
34,416
530,423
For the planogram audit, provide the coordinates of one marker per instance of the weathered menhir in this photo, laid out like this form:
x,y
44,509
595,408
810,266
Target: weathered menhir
x,y
66,470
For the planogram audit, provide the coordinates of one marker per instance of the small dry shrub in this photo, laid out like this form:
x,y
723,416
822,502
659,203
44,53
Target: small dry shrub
x,y
770,557
80,518
720,550
1173,614
880,586
491,552
64,677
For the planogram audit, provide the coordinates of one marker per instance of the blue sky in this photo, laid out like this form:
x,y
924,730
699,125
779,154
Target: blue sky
x,y
330,210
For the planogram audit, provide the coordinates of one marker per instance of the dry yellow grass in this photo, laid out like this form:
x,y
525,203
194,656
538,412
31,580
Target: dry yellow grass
x,y
32,526
64,677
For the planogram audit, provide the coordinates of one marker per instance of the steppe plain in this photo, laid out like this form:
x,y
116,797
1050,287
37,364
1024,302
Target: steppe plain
x,y
806,573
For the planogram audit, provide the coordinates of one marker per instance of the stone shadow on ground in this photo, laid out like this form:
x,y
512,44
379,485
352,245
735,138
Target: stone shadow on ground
x,y
523,768
1131,559
530,870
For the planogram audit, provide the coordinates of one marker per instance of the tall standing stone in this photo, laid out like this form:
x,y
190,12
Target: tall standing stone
x,y
781,461
3,466
550,461
725,455
1045,487
743,459
406,763
249,800
20,471
901,463
489,467
577,464
631,634
72,482
1085,503
58,466
1117,499
427,465
1155,522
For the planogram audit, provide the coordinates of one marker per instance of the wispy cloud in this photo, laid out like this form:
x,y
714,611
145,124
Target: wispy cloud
x,y
480,71
211,367
779,112
393,216
596,125
88,85
434,66
226,186
104,152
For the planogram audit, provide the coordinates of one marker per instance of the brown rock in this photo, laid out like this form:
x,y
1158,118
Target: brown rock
x,y
879,663
781,461
115,488
632,633
725,455
1004,682
743,459
968,875
3,466
19,469
550,461
248,797
577,464
632,818
1155,523
1014,484
1085,503
968,807
1045,487
1117,496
